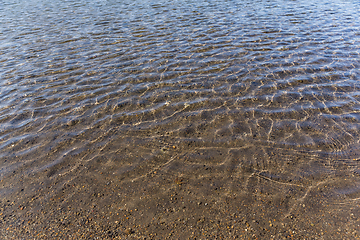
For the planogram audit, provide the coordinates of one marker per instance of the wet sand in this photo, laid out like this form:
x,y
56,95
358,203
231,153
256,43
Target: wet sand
x,y
177,198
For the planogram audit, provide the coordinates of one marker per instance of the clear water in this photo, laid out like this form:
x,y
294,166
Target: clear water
x,y
264,93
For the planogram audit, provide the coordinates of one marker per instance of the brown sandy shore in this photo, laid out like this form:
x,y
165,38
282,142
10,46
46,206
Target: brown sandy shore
x,y
174,201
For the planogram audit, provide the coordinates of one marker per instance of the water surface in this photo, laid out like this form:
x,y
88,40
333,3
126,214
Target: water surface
x,y
112,106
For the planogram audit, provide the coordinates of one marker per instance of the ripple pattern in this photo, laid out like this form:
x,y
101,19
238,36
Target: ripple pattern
x,y
264,93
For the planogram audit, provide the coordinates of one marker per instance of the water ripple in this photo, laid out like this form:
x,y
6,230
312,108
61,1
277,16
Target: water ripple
x,y
227,84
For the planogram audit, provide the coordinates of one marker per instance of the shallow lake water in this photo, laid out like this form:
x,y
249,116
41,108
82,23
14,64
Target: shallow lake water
x,y
179,119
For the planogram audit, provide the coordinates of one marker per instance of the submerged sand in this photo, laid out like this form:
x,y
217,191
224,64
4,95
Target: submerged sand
x,y
178,199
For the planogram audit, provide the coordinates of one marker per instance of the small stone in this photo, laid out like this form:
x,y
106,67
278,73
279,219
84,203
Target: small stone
x,y
129,231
